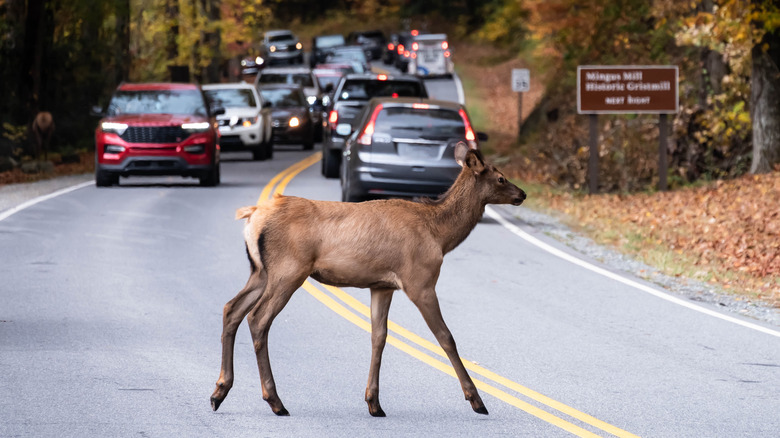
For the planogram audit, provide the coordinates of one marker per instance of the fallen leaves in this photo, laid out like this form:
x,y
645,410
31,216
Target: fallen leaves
x,y
728,230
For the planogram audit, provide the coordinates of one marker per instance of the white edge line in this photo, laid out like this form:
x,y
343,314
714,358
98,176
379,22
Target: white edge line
x,y
644,288
6,214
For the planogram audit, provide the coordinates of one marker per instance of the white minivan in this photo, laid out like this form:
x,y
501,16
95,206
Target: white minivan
x,y
431,56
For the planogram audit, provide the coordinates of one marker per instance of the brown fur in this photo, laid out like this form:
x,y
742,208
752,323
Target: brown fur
x,y
383,245
43,131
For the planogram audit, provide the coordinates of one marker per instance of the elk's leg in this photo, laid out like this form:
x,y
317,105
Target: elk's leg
x,y
272,302
380,305
428,304
234,312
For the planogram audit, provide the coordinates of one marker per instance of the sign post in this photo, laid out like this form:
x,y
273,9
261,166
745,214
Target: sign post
x,y
628,89
521,83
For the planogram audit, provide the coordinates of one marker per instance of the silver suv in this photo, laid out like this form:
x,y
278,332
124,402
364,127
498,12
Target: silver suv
x,y
405,147
281,47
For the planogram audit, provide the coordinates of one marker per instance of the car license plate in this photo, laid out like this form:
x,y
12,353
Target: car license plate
x,y
417,151
430,55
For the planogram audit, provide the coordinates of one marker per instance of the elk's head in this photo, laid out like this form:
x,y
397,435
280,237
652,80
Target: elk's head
x,y
492,186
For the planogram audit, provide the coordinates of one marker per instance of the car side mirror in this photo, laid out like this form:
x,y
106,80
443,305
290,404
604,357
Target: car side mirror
x,y
482,136
266,104
328,88
97,111
217,110
343,129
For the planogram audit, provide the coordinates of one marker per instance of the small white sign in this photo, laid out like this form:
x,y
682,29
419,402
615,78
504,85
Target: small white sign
x,y
521,80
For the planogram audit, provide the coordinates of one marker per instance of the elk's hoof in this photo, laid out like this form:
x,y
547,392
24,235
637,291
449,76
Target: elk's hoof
x,y
481,410
282,412
378,412
215,402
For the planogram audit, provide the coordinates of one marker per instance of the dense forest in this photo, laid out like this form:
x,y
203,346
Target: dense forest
x,y
66,56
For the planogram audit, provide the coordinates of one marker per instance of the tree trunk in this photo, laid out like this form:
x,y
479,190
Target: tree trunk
x,y
764,108
34,41
122,46
214,41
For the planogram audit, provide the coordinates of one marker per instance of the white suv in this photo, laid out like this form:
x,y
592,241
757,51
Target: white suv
x,y
246,124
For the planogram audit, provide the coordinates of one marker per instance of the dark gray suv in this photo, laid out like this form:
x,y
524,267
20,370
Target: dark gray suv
x,y
404,148
351,96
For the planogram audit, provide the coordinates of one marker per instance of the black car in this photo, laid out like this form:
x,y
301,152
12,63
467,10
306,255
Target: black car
x,y
403,49
351,95
404,147
291,115
321,45
251,65
372,41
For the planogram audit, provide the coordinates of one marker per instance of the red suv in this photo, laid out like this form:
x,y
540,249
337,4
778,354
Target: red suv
x,y
157,129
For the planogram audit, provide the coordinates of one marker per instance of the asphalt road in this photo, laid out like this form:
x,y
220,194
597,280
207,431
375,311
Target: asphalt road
x,y
111,308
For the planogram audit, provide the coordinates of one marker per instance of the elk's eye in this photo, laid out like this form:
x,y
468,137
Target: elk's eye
x,y
501,180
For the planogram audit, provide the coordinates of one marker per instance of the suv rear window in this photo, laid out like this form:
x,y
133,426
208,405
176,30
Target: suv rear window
x,y
433,123
365,89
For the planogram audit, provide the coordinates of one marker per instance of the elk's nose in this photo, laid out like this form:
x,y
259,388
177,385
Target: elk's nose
x,y
519,199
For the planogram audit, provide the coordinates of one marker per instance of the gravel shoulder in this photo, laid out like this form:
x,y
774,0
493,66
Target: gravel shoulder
x,y
682,287
12,195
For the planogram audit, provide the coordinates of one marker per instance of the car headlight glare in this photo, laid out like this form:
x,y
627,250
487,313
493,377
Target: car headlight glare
x,y
259,60
311,99
273,48
114,149
294,122
299,46
118,128
195,127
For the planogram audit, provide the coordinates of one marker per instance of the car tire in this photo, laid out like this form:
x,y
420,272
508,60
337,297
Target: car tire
x,y
260,153
331,162
348,196
105,179
210,178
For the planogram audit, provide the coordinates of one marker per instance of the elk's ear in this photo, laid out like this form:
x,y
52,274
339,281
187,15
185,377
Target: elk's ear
x,y
461,149
475,162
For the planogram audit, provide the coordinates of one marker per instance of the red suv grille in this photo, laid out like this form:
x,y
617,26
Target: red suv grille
x,y
154,134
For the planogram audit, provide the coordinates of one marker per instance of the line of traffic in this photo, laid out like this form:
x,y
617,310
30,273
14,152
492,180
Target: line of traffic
x,y
277,186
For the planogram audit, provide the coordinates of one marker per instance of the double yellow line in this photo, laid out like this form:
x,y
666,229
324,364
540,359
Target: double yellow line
x,y
360,315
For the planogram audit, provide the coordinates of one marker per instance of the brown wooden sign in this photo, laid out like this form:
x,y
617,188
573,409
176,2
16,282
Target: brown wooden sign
x,y
627,89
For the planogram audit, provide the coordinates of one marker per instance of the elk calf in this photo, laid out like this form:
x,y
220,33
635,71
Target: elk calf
x,y
43,130
382,245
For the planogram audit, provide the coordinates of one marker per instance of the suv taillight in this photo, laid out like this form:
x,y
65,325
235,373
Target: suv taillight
x,y
471,138
365,137
333,117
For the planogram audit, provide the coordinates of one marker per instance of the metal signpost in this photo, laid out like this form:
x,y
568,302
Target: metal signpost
x,y
521,83
627,89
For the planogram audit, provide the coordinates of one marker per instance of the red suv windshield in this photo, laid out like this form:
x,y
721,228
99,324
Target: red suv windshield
x,y
188,102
